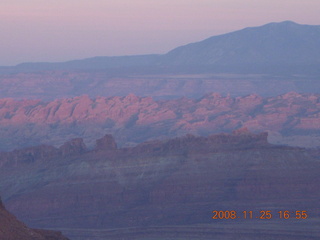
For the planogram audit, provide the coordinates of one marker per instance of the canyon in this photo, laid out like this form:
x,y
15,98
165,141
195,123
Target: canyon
x,y
157,184
148,146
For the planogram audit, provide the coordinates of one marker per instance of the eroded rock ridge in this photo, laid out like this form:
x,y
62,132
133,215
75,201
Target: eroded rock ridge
x,y
134,119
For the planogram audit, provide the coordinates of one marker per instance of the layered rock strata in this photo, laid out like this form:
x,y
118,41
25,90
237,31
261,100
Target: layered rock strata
x,y
176,181
133,119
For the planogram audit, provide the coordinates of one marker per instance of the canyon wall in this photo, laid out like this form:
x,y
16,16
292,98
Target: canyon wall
x,y
170,182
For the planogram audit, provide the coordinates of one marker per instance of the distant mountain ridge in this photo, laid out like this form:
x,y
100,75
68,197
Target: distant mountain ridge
x,y
274,43
285,47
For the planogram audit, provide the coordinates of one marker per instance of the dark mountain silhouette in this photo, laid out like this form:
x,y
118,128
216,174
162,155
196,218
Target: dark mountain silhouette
x,y
284,47
271,46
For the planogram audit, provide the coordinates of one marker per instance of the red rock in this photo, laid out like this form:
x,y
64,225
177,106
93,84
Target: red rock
x,y
135,118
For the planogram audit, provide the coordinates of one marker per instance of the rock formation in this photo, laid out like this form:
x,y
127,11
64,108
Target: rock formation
x,y
73,147
177,181
13,229
106,143
135,119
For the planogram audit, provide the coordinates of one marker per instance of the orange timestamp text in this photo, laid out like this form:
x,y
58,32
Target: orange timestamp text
x,y
263,214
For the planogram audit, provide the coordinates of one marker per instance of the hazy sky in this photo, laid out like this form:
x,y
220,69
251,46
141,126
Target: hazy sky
x,y
60,30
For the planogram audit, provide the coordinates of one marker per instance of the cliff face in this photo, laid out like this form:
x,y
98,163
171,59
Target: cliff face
x,y
43,153
13,229
175,181
135,119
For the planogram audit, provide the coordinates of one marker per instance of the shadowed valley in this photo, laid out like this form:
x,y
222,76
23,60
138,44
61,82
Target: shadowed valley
x,y
175,182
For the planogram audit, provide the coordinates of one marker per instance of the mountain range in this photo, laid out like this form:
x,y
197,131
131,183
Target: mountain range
x,y
271,46
269,60
179,135
285,48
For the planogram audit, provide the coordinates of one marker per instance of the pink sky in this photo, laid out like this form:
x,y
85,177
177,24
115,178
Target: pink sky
x,y
61,30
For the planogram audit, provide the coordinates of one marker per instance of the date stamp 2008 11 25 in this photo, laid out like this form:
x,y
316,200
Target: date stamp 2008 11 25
x,y
263,214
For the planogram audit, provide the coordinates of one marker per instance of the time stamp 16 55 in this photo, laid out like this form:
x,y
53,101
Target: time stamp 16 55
x,y
285,214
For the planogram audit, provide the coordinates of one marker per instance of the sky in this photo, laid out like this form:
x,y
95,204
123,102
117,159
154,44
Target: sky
x,y
62,30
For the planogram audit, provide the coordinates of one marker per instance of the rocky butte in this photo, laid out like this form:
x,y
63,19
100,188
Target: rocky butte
x,y
176,182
